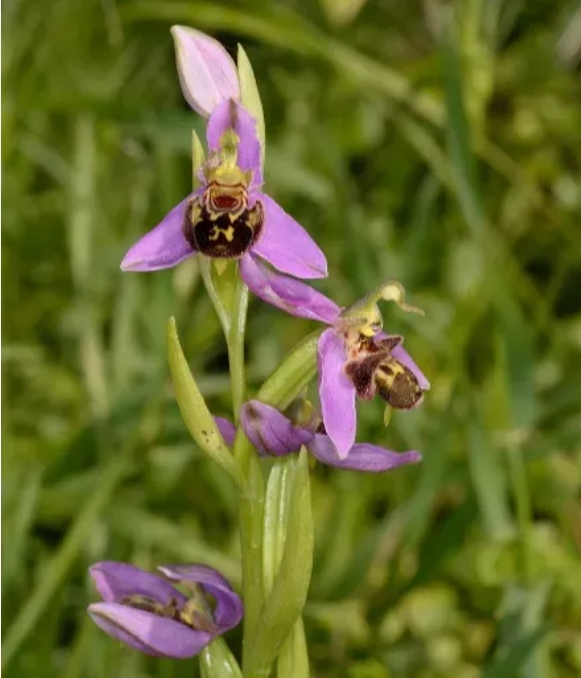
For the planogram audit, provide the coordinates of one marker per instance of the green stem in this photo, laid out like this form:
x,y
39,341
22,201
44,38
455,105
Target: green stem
x,y
218,301
216,661
230,298
231,304
235,339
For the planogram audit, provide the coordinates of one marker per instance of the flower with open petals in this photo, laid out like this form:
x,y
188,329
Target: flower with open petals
x,y
274,434
355,358
145,611
229,217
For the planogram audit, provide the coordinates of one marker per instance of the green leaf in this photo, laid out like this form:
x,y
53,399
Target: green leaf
x,y
522,629
293,375
276,506
293,660
216,661
250,96
198,157
516,343
489,480
459,140
287,599
194,410
342,12
57,569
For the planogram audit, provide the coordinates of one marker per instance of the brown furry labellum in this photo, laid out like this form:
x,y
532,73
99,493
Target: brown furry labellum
x,y
374,371
219,223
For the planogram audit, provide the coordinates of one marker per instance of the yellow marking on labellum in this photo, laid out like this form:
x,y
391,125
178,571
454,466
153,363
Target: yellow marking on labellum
x,y
216,232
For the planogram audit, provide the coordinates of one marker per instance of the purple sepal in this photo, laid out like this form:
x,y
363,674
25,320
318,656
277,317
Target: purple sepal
x,y
286,245
148,632
163,247
288,294
229,609
270,431
227,430
336,393
116,581
207,73
361,457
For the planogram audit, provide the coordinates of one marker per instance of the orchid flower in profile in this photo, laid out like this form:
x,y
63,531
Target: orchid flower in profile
x,y
355,358
145,611
276,434
228,216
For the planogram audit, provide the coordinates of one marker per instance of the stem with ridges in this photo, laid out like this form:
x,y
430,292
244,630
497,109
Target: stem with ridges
x,y
235,339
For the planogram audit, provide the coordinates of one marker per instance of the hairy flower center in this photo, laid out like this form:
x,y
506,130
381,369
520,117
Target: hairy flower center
x,y
220,225
373,370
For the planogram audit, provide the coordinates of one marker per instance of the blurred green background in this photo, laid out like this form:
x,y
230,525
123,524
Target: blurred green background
x,y
435,143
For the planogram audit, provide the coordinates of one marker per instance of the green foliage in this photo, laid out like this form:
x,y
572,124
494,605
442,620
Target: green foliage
x,y
439,146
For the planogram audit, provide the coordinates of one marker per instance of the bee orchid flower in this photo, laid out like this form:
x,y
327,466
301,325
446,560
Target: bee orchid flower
x,y
355,357
147,612
229,217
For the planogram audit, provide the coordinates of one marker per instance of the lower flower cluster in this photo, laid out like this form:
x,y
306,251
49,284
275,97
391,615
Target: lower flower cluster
x,y
149,613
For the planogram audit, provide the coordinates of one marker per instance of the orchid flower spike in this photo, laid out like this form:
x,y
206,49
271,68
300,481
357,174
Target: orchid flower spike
x,y
276,434
145,611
